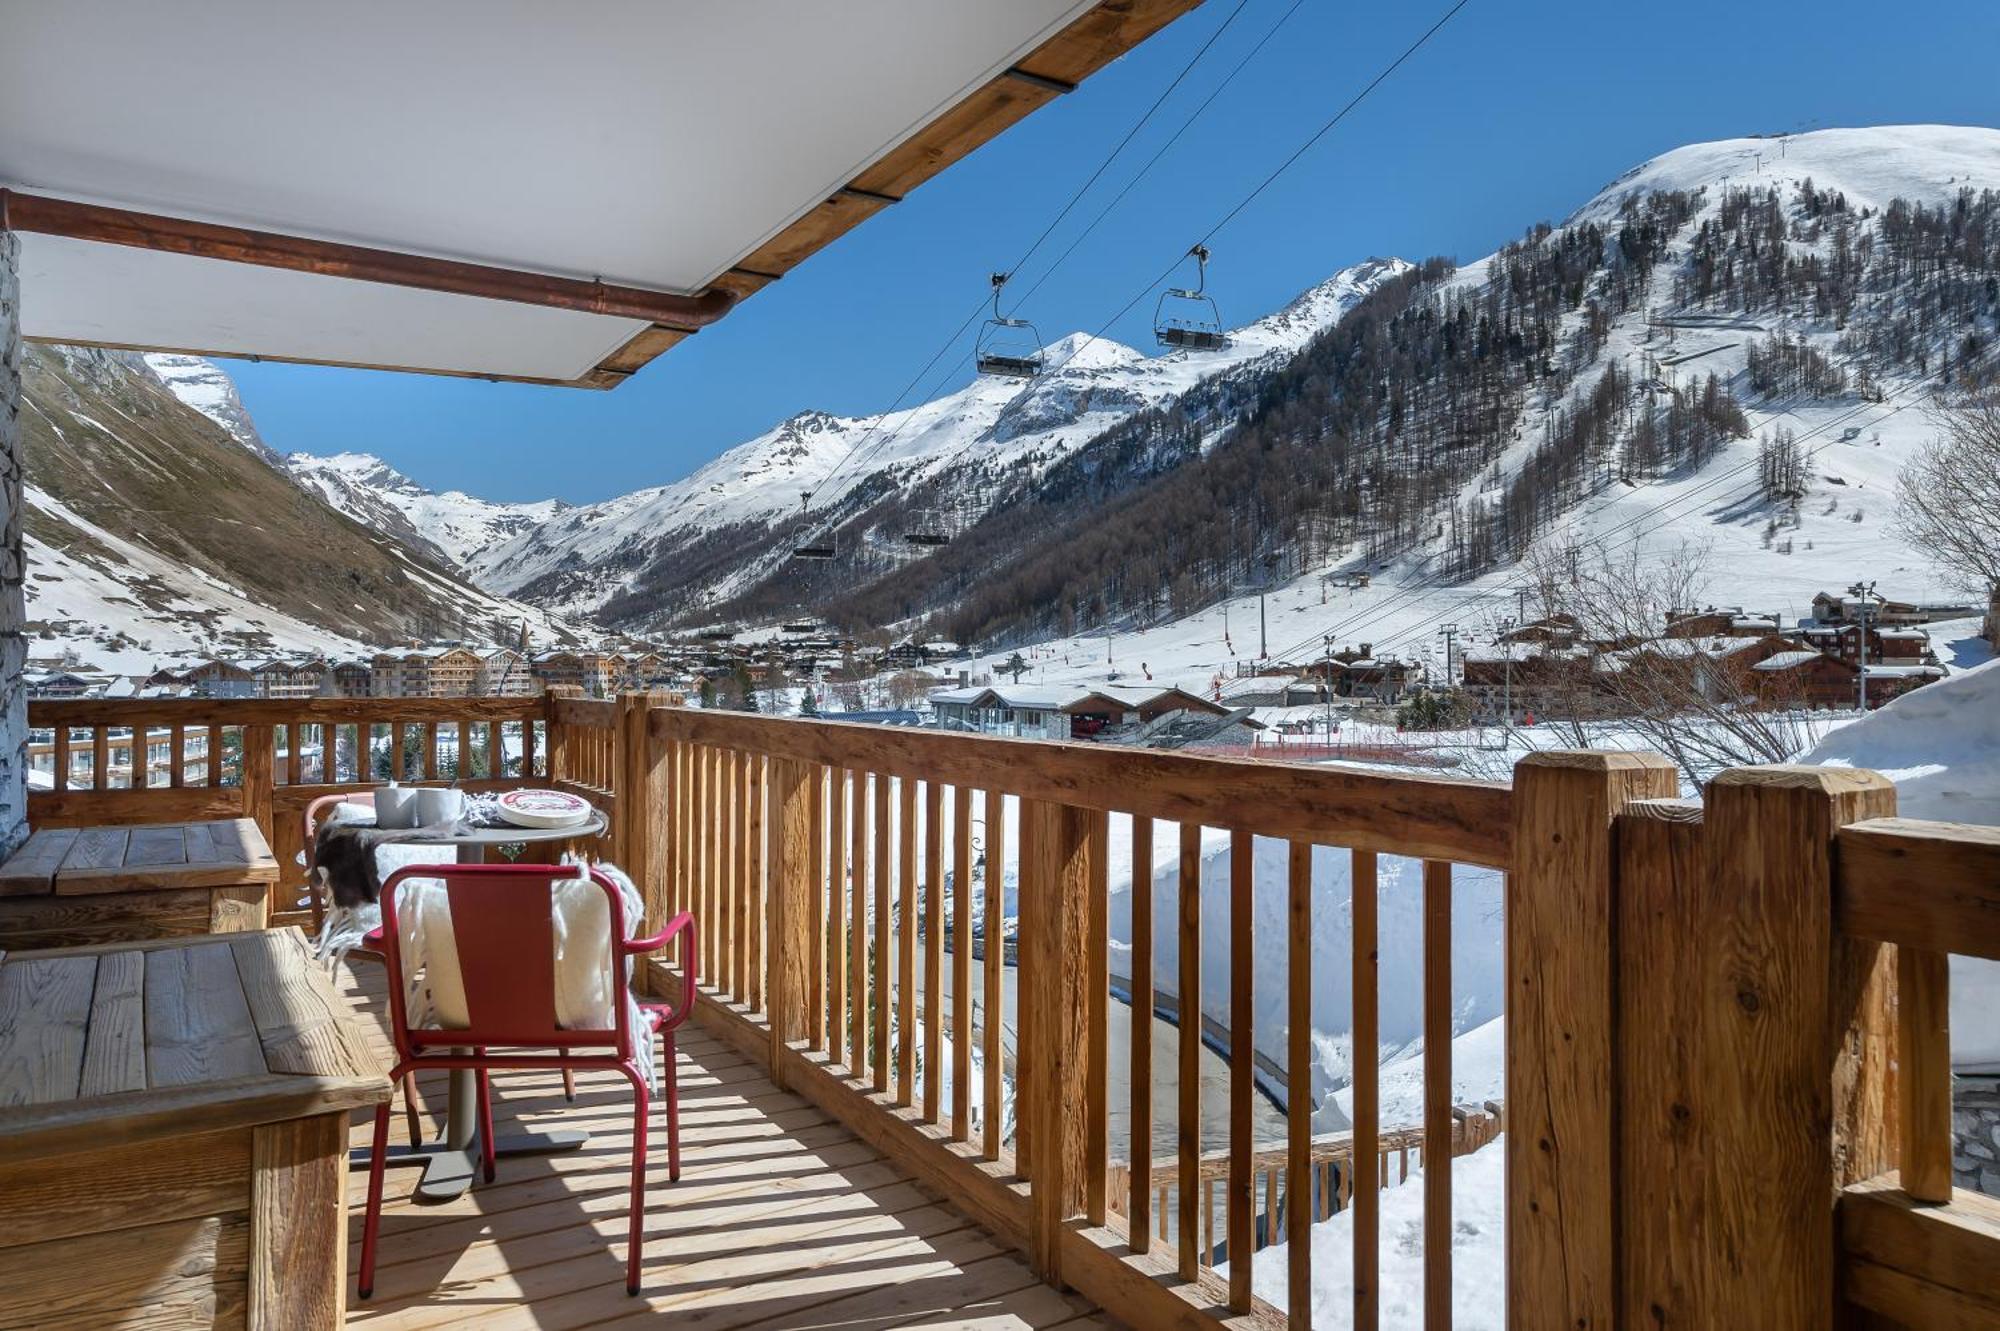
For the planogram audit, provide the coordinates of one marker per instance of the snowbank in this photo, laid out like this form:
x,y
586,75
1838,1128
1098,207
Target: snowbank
x,y
1478,1252
1941,746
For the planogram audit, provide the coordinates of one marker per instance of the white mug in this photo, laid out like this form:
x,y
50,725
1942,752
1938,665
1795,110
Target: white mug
x,y
439,804
395,806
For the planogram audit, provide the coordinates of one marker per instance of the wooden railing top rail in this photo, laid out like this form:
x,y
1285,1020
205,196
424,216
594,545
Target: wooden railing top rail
x,y
592,713
1922,884
1426,817
276,711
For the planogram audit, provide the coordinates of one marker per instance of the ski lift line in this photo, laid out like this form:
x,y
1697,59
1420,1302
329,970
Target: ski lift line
x,y
1661,511
1381,76
1160,152
1375,613
1046,231
1130,134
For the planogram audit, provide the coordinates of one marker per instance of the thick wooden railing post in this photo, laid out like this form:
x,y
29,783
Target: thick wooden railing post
x,y
641,791
1797,1039
260,756
560,760
788,904
1056,875
1560,1013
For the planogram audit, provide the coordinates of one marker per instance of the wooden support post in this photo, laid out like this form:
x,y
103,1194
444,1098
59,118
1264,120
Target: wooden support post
x,y
260,756
1797,1039
788,903
1561,1241
1056,874
642,802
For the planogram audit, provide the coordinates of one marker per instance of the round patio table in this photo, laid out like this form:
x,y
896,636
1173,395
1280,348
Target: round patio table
x,y
453,1158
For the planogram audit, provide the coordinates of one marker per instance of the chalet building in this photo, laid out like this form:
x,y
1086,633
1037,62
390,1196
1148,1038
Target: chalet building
x,y
63,684
593,672
220,679
1806,678
426,672
280,678
1887,646
504,673
1560,630
1549,680
352,679
643,669
1832,608
1720,622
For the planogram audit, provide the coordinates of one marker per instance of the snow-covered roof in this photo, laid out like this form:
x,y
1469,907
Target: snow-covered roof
x,y
1790,660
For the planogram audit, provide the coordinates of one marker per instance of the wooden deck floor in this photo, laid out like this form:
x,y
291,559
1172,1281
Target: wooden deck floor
x,y
781,1219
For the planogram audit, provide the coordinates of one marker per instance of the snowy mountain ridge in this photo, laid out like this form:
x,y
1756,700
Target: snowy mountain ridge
x,y
457,526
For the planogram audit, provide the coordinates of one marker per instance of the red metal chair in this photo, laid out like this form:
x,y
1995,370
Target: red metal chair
x,y
502,924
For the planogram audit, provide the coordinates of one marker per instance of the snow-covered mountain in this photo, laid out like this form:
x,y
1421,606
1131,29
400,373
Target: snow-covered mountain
x,y
580,558
454,525
159,527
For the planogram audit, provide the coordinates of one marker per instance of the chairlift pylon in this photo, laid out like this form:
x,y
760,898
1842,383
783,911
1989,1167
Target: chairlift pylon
x,y
1010,348
1186,319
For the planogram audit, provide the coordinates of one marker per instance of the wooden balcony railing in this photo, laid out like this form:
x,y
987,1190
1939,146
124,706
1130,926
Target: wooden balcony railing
x,y
1725,1019
268,758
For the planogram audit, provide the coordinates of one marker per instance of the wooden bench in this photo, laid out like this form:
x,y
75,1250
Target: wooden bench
x,y
173,1134
73,886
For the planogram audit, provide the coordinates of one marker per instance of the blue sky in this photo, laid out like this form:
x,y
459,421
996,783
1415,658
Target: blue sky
x,y
1511,115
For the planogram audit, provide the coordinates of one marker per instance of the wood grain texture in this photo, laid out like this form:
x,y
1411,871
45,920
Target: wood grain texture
x,y
933,932
198,1023
961,964
114,1055
44,1022
906,940
1954,1247
1666,1113
1923,1072
1097,1018
1562,1263
995,806
174,1273
1933,885
118,1186
297,1267
788,902
1056,876
31,870
1795,1035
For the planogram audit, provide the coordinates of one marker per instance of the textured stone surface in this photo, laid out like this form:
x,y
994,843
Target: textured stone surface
x,y
13,605
1975,1130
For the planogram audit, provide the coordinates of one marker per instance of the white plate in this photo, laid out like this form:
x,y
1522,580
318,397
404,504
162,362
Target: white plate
x,y
544,808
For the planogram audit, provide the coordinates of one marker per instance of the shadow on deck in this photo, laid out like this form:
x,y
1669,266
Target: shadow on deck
x,y
781,1219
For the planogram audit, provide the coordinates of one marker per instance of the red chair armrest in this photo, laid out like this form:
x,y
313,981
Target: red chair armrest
x,y
683,927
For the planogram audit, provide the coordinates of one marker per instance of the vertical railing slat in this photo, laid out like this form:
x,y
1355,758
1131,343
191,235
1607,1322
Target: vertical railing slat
x,y
214,761
879,1052
63,758
756,881
1242,1070
1097,1018
816,860
1188,1124
857,929
933,930
1437,1095
961,964
1365,1056
995,926
1923,998
906,939
1298,1085
836,911
1139,1208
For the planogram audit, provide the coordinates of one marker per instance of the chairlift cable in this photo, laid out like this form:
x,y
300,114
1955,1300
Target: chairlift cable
x,y
1030,252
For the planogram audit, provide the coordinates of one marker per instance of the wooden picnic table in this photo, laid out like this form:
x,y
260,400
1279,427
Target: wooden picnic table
x,y
73,886
173,1134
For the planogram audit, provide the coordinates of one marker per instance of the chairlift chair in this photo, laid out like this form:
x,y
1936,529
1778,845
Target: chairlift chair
x,y
1186,319
927,528
811,548
1010,348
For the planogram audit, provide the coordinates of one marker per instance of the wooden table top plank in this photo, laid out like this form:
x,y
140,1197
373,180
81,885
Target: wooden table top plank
x,y
31,870
304,1026
198,1023
162,845
187,1056
114,1051
44,1016
222,852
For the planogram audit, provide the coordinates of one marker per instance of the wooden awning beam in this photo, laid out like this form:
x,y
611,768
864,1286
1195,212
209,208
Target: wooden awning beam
x,y
207,240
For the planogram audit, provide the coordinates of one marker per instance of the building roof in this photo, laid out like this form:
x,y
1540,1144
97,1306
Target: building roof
x,y
495,191
1790,660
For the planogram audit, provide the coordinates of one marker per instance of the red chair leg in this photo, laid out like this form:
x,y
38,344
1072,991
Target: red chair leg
x,y
413,1109
486,1124
569,1086
670,1083
371,1223
641,1104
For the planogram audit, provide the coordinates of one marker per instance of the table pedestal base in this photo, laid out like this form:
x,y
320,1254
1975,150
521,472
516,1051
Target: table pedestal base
x,y
449,1170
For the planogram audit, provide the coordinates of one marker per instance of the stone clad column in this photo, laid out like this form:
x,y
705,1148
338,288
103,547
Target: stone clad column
x,y
13,603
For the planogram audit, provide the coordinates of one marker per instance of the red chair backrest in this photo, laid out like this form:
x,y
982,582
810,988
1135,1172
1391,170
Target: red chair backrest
x,y
502,920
